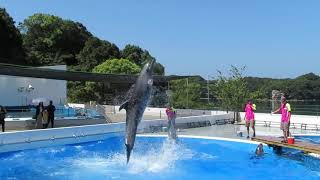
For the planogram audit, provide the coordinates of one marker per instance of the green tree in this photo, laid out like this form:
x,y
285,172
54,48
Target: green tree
x,y
141,57
187,93
79,92
11,50
100,91
133,53
232,91
305,87
158,69
95,52
158,97
50,40
117,66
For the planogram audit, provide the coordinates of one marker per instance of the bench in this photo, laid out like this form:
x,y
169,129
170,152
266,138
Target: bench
x,y
295,125
198,124
305,126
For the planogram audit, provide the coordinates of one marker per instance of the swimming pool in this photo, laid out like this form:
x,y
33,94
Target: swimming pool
x,y
155,157
311,138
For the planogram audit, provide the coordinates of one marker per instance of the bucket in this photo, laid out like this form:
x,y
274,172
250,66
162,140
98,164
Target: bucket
x,y
290,140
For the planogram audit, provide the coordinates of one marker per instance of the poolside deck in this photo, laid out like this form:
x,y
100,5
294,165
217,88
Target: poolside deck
x,y
299,145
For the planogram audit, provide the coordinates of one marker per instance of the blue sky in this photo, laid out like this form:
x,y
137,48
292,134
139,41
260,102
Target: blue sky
x,y
274,38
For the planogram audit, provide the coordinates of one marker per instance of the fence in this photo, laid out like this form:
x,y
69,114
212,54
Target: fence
x,y
297,107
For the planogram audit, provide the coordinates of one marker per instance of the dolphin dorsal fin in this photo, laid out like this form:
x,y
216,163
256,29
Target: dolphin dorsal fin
x,y
124,105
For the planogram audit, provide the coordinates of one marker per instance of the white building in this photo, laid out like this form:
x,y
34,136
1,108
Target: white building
x,y
22,91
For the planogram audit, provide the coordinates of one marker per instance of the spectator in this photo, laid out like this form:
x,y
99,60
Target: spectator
x,y
39,115
51,108
3,113
45,119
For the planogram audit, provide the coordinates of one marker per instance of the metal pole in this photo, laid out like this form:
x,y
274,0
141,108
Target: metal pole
x,y
208,90
187,93
168,95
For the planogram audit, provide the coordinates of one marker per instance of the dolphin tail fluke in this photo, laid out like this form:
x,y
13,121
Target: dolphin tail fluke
x,y
128,148
124,105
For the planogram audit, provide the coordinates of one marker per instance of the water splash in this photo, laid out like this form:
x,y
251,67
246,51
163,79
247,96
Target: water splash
x,y
155,160
158,160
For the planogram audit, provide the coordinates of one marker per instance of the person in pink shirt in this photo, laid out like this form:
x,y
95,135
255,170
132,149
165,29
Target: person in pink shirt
x,y
285,110
171,113
249,117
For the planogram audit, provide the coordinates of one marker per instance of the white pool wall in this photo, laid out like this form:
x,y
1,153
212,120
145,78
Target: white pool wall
x,y
21,140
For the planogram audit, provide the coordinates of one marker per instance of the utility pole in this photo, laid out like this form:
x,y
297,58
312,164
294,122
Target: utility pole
x,y
168,93
187,93
208,89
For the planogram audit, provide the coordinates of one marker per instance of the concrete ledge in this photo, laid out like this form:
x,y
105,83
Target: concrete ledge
x,y
20,140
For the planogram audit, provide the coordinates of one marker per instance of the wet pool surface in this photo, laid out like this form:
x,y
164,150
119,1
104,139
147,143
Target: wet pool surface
x,y
157,158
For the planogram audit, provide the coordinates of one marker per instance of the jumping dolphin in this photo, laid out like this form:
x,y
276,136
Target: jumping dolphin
x,y
135,104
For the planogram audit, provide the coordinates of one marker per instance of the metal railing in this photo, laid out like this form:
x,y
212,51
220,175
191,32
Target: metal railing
x,y
298,109
103,111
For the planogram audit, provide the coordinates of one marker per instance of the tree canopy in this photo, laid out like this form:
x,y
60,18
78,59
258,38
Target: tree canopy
x,y
140,57
305,87
50,40
188,94
232,90
11,50
117,66
96,51
133,53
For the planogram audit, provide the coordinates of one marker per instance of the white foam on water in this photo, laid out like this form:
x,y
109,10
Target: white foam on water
x,y
53,150
18,155
157,160
153,160
59,173
314,155
78,147
207,156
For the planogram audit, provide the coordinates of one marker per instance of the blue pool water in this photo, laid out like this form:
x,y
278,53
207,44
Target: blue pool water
x,y
312,139
157,158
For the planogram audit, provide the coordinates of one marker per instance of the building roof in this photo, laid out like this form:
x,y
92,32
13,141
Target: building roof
x,y
26,71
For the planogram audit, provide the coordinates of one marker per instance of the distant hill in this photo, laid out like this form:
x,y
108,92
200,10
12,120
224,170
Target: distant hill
x,y
306,87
